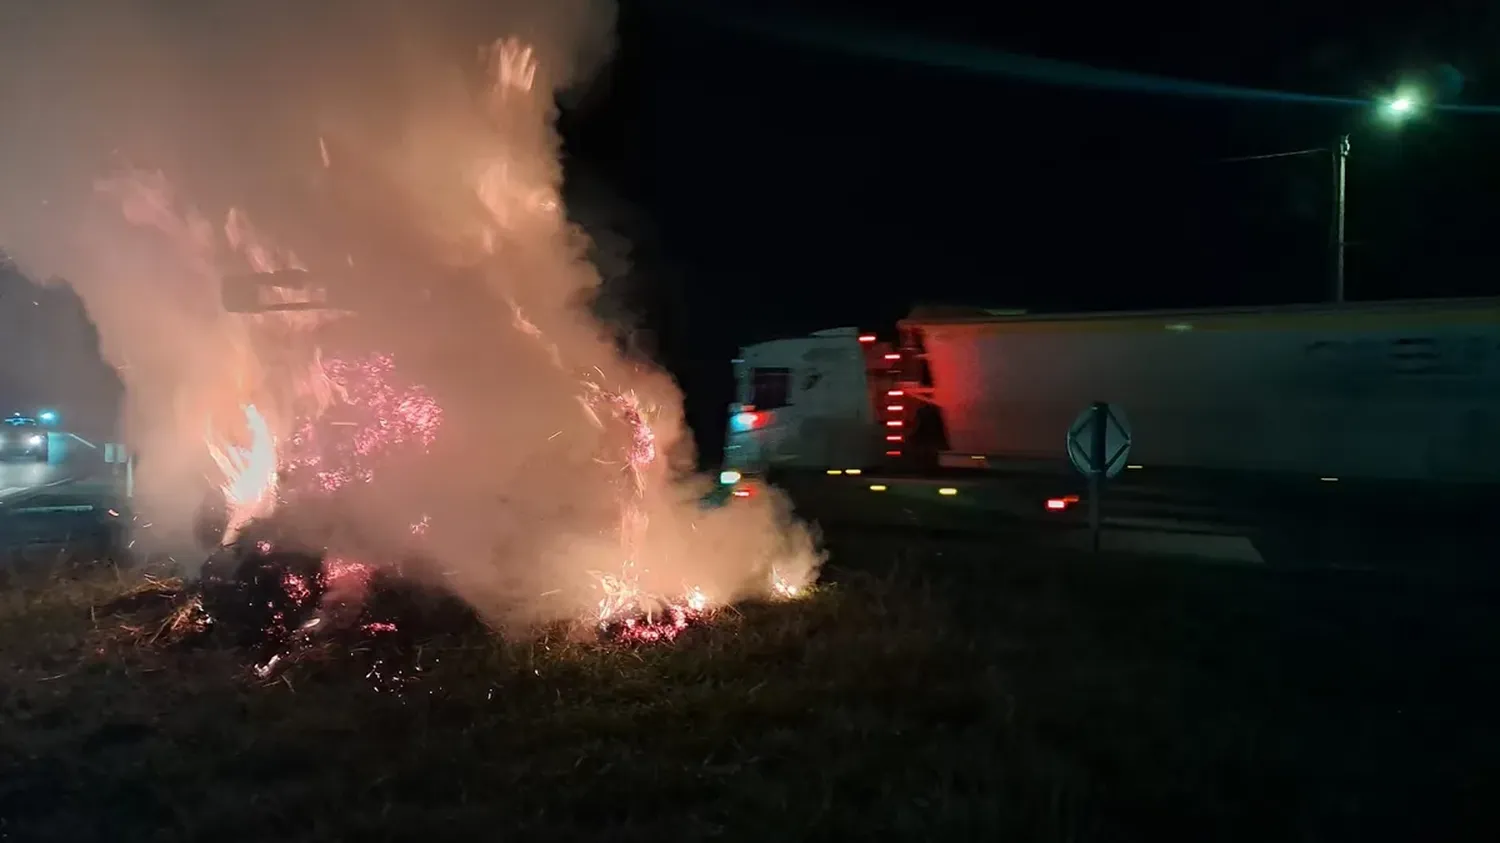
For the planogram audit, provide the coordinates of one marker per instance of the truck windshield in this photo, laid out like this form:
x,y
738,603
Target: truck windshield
x,y
770,388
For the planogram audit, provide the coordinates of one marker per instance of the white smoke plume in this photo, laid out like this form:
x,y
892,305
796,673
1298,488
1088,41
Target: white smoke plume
x,y
411,147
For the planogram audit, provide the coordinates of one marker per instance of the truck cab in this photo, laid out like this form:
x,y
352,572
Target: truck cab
x,y
837,399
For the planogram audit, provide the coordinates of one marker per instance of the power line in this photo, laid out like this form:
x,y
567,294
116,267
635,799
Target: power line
x,y
1240,158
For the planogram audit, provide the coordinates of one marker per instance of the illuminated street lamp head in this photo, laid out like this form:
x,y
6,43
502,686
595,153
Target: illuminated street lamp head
x,y
1400,106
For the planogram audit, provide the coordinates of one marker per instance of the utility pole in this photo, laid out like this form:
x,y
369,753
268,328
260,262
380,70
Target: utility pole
x,y
1395,110
1336,237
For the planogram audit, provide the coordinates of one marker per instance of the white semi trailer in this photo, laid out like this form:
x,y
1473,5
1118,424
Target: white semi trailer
x,y
1403,392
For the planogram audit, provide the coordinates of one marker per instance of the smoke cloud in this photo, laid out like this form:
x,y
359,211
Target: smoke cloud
x,y
406,152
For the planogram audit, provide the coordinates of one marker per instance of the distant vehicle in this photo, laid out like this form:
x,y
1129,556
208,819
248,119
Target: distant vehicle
x,y
22,438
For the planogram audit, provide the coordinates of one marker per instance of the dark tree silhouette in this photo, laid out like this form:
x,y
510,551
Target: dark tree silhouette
x,y
50,355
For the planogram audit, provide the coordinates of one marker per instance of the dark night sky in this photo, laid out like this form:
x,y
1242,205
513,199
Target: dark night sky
x,y
790,187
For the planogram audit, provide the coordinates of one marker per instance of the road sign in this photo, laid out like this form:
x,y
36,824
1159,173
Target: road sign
x,y
1094,454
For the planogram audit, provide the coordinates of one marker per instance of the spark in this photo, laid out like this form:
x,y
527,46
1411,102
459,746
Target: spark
x,y
390,416
296,588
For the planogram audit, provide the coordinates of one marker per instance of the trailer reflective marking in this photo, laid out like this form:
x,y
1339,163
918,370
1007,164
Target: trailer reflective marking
x,y
878,487
947,491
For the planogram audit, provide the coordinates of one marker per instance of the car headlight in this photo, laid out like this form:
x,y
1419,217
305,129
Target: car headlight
x,y
34,439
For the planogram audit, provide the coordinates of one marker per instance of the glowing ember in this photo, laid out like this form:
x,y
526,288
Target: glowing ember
x,y
341,572
383,416
296,588
665,626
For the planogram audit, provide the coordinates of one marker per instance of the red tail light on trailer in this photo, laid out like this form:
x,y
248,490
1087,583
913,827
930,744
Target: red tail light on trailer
x,y
1061,504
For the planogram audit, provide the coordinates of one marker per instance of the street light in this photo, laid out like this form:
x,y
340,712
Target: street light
x,y
1396,109
1401,105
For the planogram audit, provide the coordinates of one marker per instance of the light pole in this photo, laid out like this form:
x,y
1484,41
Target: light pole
x,y
1395,110
1340,195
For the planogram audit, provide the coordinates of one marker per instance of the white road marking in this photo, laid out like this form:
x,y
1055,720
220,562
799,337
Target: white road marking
x,y
9,491
32,510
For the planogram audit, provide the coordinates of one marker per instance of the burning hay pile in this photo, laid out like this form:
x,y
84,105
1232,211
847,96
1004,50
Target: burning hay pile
x,y
265,589
270,587
418,423
281,605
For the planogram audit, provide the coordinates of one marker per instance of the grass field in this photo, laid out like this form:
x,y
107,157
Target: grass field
x,y
932,690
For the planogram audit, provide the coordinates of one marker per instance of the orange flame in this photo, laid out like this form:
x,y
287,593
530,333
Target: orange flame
x,y
249,473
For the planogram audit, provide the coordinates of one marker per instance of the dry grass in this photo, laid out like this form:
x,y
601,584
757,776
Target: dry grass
x,y
932,692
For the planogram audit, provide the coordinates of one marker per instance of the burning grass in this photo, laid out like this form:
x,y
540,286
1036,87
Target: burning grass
x,y
932,694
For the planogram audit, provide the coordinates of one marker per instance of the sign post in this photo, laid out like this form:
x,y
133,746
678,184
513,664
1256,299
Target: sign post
x,y
1098,446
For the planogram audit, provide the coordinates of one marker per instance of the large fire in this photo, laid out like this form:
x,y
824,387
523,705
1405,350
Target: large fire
x,y
322,421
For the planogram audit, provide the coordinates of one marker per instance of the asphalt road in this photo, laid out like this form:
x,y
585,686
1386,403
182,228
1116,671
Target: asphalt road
x,y
67,458
1380,534
64,500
